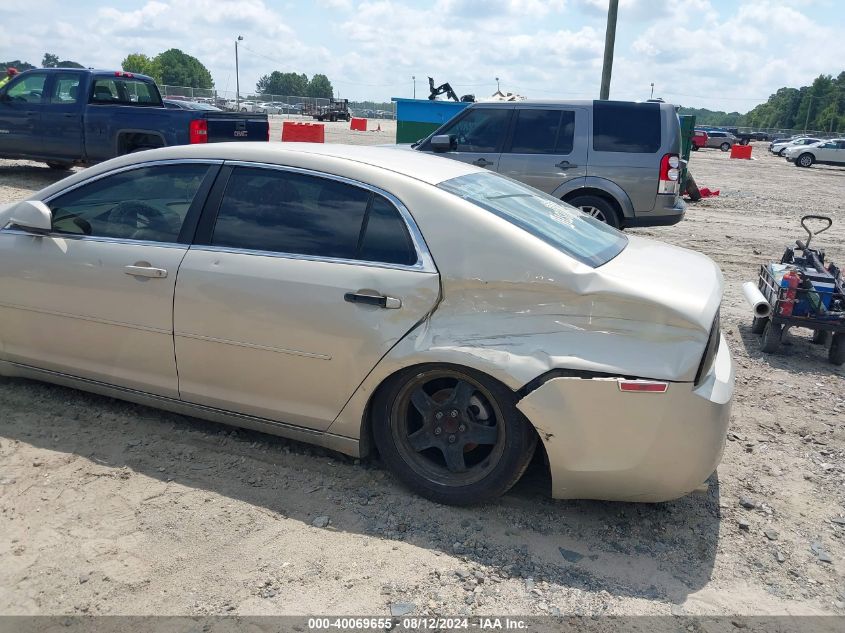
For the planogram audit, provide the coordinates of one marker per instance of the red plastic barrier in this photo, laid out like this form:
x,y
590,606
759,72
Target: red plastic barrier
x,y
295,131
741,151
358,124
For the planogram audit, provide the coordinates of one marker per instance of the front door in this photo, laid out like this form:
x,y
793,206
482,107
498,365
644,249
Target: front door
x,y
94,298
21,103
61,119
292,296
479,134
547,148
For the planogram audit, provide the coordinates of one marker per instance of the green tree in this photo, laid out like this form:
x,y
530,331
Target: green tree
x,y
181,69
15,63
284,84
319,86
50,61
143,65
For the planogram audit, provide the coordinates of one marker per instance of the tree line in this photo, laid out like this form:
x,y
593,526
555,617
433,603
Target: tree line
x,y
819,106
49,61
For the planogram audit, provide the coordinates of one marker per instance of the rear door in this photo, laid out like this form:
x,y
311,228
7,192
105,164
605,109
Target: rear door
x,y
61,120
21,106
297,285
479,134
547,147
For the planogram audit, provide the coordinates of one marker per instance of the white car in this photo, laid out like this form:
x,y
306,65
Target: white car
x,y
356,296
830,152
780,147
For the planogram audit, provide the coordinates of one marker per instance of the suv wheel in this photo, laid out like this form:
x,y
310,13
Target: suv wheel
x,y
597,207
725,147
805,160
782,152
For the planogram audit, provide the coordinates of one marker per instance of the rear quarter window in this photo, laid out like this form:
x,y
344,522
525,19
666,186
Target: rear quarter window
x,y
632,128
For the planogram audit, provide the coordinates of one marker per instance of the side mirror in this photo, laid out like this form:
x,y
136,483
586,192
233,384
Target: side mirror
x,y
443,143
31,215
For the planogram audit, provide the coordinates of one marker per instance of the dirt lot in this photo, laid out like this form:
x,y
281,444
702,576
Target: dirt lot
x,y
107,507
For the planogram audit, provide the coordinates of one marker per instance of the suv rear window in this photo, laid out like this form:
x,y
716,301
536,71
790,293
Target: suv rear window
x,y
626,127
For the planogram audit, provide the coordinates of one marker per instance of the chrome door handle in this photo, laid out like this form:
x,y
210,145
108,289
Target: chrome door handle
x,y
482,162
382,301
145,271
565,164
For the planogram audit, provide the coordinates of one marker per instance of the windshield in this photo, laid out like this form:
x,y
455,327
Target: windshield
x,y
543,216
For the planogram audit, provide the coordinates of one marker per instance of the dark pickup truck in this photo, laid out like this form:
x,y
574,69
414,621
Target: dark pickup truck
x,y
68,116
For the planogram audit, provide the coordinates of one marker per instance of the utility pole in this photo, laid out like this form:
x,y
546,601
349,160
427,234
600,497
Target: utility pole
x,y
497,85
237,76
609,42
414,79
807,118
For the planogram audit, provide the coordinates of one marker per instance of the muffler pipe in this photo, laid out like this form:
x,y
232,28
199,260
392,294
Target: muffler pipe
x,y
756,300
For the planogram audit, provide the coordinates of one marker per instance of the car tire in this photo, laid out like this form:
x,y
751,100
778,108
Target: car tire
x,y
758,325
694,147
820,337
597,207
744,141
836,354
692,188
59,166
772,335
805,160
415,432
725,147
782,153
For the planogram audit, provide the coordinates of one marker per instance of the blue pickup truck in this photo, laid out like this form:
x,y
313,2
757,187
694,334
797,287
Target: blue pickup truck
x,y
69,116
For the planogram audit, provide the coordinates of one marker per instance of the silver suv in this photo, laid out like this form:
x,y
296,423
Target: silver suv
x,y
616,160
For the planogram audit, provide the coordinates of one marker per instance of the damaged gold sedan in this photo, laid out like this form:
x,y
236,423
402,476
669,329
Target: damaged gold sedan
x,y
374,299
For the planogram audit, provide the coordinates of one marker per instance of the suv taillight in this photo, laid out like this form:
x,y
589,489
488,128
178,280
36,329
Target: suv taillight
x,y
669,174
199,131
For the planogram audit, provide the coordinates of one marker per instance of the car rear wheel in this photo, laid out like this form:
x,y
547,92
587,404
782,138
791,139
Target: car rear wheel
x,y
805,160
598,208
725,147
451,434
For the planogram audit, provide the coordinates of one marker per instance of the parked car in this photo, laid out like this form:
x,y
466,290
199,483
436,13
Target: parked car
x,y
699,140
67,116
189,105
824,153
618,161
721,140
780,147
299,295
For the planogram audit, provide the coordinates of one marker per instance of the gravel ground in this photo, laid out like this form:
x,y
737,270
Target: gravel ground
x,y
112,508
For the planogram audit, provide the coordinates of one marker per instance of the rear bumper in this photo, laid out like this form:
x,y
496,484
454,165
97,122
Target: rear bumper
x,y
606,444
668,210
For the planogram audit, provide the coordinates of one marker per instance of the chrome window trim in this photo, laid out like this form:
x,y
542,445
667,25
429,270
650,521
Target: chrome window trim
x,y
425,263
94,238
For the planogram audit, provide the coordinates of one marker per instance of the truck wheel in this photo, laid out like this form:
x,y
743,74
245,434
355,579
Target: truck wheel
x,y
772,334
836,355
805,160
597,207
692,188
59,166
725,147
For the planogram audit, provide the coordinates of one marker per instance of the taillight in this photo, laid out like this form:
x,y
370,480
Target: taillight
x,y
669,174
199,131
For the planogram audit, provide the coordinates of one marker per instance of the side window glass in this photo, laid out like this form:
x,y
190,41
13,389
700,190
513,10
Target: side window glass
x,y
385,236
124,91
148,204
543,132
65,89
481,130
285,212
28,89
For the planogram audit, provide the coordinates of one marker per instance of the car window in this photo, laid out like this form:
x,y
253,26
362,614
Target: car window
x,y
481,130
841,144
566,228
543,131
65,89
385,236
149,203
124,91
28,88
626,127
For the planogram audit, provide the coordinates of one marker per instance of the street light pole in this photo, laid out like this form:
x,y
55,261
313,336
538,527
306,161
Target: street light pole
x,y
414,79
237,76
652,90
497,85
609,42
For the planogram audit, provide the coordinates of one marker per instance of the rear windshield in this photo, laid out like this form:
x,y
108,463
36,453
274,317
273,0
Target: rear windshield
x,y
620,126
566,228
124,91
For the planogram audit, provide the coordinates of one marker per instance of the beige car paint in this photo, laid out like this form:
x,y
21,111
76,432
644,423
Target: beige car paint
x,y
511,306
